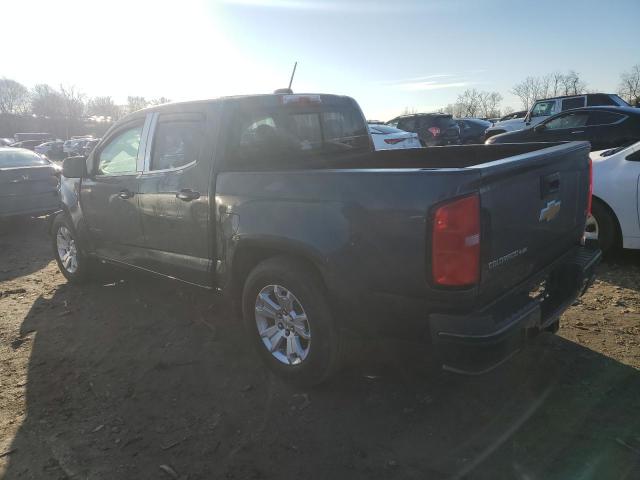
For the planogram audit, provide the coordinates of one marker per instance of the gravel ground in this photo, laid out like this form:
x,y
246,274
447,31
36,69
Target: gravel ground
x,y
143,378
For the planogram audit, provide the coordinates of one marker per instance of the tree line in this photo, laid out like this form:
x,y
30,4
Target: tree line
x,y
64,102
63,111
477,103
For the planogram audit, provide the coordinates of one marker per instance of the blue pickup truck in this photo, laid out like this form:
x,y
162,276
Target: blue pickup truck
x,y
281,202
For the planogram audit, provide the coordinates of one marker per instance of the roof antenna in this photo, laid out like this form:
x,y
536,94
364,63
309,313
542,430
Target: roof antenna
x,y
288,90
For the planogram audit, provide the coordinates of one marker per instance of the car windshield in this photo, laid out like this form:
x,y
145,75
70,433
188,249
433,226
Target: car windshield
x,y
20,158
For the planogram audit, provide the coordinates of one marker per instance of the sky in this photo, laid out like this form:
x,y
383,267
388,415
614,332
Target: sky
x,y
388,55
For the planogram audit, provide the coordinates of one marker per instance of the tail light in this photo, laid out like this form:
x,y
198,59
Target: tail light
x,y
393,141
455,243
589,200
435,131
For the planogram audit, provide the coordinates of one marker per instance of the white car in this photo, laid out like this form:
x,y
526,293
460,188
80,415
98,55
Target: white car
x,y
388,138
616,200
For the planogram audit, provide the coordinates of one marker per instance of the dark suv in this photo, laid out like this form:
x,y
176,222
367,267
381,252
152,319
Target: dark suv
x,y
432,128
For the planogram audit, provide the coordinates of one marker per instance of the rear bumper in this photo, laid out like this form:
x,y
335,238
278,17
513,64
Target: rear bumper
x,y
30,204
480,341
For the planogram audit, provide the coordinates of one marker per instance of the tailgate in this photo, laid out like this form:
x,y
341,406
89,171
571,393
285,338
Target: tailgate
x,y
533,211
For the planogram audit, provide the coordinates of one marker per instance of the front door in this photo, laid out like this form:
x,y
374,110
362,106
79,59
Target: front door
x,y
174,197
109,195
564,127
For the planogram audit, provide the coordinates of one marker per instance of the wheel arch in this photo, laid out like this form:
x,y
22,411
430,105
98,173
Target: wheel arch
x,y
619,240
249,253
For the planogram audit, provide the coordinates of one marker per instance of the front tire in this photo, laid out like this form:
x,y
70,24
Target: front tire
x,y
287,316
73,264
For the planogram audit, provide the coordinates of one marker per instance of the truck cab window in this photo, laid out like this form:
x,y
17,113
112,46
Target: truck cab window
x,y
267,135
176,144
119,156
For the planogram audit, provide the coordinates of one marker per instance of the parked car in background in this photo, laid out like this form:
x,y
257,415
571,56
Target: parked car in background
x,y
616,203
75,146
387,138
281,202
89,146
604,127
472,129
432,128
43,137
543,109
53,150
28,144
513,115
28,183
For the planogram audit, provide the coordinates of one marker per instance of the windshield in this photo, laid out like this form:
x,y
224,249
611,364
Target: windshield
x,y
19,158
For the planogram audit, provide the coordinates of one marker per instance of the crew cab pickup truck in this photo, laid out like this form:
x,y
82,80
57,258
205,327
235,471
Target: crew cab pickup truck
x,y
281,202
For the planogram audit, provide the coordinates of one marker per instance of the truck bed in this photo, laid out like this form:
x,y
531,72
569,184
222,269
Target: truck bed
x,y
455,156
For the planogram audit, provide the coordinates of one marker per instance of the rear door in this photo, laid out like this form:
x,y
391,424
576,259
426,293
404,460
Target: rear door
x,y
109,195
533,210
605,129
174,196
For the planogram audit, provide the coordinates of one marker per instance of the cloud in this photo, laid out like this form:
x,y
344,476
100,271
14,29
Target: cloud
x,y
430,85
356,6
290,4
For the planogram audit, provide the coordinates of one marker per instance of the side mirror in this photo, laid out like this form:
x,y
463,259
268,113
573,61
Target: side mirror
x,y
539,128
74,167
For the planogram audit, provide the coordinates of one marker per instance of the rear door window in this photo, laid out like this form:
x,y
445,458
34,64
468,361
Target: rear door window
x,y
407,124
177,142
596,99
603,118
574,102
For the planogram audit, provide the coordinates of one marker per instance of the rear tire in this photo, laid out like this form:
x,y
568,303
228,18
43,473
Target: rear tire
x,y
73,264
277,294
606,225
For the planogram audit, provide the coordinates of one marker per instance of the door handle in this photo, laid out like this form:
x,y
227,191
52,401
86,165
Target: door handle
x,y
125,194
187,195
578,131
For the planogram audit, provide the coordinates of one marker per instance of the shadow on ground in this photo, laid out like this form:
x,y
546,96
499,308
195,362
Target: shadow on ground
x,y
142,373
30,232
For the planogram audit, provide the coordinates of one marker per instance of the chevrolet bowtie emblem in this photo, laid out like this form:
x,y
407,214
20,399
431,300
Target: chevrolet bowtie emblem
x,y
550,212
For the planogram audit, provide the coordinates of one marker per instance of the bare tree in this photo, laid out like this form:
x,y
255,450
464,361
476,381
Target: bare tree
x,y
14,97
409,111
136,103
551,85
159,101
46,101
629,87
73,103
507,110
572,85
103,107
490,104
469,103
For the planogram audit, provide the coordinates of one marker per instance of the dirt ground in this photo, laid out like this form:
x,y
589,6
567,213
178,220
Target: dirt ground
x,y
141,378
